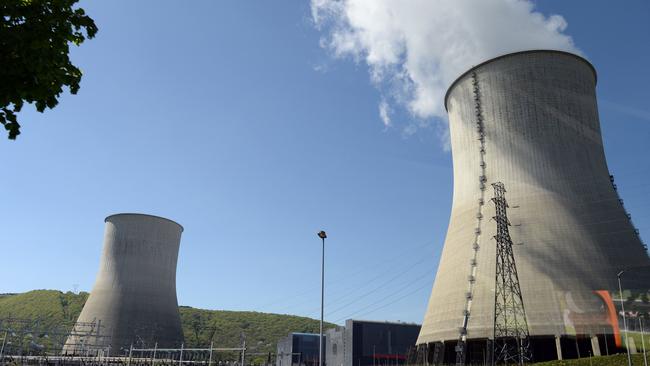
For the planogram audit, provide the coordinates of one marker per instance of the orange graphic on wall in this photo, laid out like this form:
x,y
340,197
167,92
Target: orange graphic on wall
x,y
612,316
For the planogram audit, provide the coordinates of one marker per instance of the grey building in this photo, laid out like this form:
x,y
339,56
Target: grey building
x,y
370,343
530,120
133,301
298,349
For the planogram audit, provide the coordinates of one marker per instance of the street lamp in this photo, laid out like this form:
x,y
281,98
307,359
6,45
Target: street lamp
x,y
645,357
321,235
627,341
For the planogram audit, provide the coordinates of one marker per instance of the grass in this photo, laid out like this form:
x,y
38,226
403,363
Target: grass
x,y
613,360
637,340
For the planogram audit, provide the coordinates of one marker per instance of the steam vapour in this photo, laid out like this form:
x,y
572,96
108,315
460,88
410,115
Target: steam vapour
x,y
414,49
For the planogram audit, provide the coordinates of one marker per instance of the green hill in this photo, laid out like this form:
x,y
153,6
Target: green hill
x,y
51,309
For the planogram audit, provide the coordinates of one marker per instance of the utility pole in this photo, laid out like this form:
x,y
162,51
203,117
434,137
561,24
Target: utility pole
x,y
210,361
322,235
243,350
99,328
180,359
627,341
645,357
2,350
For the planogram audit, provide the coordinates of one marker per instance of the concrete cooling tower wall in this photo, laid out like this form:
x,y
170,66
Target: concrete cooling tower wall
x,y
133,300
538,132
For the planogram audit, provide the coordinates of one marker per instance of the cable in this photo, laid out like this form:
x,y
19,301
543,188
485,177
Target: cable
x,y
376,288
424,286
426,274
409,267
344,277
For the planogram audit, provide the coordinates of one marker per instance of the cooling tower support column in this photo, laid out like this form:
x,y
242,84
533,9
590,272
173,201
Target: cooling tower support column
x,y
511,340
134,296
558,347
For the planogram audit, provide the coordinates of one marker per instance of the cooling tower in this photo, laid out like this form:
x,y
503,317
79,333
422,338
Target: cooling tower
x,y
530,121
133,300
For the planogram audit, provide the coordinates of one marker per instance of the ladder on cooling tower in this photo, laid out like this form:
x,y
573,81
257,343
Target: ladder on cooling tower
x,y
461,345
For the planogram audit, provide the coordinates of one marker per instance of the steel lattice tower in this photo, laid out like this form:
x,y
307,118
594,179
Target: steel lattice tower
x,y
511,338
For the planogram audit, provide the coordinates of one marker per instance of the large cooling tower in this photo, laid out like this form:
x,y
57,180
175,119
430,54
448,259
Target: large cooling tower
x,y
134,297
530,121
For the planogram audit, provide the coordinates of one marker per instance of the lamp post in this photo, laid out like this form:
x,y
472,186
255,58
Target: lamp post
x,y
627,341
321,235
645,357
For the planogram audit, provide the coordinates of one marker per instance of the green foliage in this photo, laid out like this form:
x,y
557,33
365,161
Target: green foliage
x,y
224,328
50,308
645,298
614,360
50,312
201,327
638,338
34,47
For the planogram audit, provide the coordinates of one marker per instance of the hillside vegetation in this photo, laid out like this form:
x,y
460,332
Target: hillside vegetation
x,y
51,309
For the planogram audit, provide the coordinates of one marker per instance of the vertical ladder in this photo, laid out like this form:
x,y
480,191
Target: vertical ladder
x,y
461,345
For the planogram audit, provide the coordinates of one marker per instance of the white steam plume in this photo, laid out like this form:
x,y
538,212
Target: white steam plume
x,y
384,113
414,49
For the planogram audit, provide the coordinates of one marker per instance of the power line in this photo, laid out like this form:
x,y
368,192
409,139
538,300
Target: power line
x,y
377,288
345,277
426,275
355,288
420,288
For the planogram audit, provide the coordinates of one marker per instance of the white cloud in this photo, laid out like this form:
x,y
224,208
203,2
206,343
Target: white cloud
x,y
414,49
384,113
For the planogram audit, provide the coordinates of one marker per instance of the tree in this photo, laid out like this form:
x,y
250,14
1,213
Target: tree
x,y
34,45
644,297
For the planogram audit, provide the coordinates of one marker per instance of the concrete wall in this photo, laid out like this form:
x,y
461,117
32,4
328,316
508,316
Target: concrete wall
x,y
335,347
134,296
542,140
284,351
348,340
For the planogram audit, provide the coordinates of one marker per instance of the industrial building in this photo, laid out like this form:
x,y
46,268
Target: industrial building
x,y
298,349
370,343
530,121
133,301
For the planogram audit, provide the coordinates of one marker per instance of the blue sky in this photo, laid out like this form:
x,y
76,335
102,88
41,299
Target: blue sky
x,y
231,119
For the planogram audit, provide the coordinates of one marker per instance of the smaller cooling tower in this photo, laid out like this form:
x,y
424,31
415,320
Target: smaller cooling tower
x,y
134,300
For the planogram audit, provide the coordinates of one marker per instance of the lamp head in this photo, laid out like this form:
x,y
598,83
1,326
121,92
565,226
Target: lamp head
x,y
322,234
